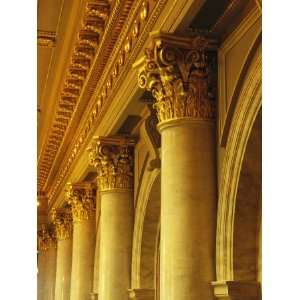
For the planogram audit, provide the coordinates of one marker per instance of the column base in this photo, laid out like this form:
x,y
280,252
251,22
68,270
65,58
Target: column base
x,y
93,296
141,294
237,290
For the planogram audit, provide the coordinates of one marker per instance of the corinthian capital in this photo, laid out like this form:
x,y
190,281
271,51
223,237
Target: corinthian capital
x,y
180,73
46,237
113,159
81,198
62,220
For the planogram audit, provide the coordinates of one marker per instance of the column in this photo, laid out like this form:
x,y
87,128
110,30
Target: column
x,y
46,262
94,294
81,198
180,74
113,158
62,220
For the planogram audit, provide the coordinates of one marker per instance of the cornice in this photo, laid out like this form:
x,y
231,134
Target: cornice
x,y
84,50
143,14
105,93
46,38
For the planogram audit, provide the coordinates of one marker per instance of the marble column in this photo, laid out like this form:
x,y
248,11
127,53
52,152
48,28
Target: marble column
x,y
46,262
81,198
113,158
180,74
62,220
97,248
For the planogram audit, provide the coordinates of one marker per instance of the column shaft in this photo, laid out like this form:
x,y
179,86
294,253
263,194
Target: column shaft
x,y
188,210
50,274
116,244
63,269
41,278
83,259
97,244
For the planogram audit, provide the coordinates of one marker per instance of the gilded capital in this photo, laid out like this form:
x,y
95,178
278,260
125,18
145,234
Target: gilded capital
x,y
46,237
62,220
113,159
81,198
180,73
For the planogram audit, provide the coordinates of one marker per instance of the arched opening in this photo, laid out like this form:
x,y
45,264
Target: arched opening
x,y
247,220
150,238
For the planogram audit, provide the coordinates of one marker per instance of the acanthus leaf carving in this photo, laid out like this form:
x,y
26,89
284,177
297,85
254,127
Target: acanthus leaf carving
x,y
46,237
62,220
113,159
81,198
180,73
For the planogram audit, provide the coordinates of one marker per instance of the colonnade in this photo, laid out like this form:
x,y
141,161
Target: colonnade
x,y
181,76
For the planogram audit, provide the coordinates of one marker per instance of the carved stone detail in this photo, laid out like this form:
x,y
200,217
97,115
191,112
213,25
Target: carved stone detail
x,y
81,198
46,237
113,159
62,221
180,73
46,39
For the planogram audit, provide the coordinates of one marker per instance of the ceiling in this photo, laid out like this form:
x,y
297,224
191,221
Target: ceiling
x,y
48,20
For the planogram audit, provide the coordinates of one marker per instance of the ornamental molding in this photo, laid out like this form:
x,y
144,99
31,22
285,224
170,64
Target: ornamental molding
x,y
144,13
46,237
62,220
88,39
180,73
82,199
46,38
113,159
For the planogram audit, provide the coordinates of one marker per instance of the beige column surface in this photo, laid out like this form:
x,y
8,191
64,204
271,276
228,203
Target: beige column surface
x,y
81,198
63,269
51,273
46,263
41,277
97,246
116,244
113,160
83,259
180,73
62,220
188,210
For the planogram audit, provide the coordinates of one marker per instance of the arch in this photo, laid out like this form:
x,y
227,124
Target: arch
x,y
246,111
146,232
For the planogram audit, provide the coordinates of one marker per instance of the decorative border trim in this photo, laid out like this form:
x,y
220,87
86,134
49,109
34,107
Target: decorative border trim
x,y
88,39
124,54
46,39
248,105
